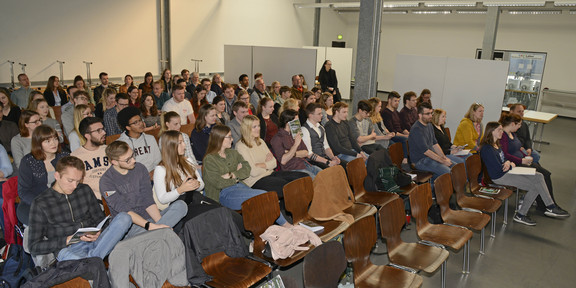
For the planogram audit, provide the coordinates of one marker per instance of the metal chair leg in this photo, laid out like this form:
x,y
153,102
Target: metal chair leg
x,y
493,224
482,241
505,211
466,260
517,201
443,271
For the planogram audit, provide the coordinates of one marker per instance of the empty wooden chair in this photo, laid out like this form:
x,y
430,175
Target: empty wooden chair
x,y
475,220
297,197
474,167
484,204
454,237
397,154
414,255
359,239
356,170
324,265
234,272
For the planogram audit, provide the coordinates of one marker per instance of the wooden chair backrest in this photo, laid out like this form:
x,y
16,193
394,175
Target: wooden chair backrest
x,y
187,129
112,138
396,153
259,213
443,189
154,132
420,202
447,131
359,239
58,113
356,170
391,221
324,265
458,177
473,170
297,197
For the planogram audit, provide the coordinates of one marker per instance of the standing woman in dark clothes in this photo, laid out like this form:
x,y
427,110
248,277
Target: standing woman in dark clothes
x,y
328,80
54,94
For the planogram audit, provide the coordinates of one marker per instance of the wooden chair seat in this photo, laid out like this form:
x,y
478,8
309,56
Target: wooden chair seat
x,y
474,167
458,177
397,155
233,272
361,210
394,278
356,170
297,197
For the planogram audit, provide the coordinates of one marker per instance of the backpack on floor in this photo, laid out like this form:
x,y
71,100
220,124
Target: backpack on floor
x,y
16,268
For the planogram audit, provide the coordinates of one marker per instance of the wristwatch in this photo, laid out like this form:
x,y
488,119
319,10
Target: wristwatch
x,y
147,226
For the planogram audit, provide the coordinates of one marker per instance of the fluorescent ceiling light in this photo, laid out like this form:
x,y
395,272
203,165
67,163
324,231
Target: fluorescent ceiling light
x,y
346,5
402,4
527,12
394,12
312,5
470,12
564,3
431,12
450,4
513,3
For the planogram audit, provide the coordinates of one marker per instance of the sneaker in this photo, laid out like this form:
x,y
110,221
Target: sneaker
x,y
524,220
556,212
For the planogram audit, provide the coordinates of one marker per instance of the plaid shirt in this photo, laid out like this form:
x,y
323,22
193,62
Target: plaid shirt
x,y
55,216
111,122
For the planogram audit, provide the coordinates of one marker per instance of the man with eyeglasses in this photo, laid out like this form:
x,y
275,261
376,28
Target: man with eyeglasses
x,y
145,147
79,97
111,115
93,153
425,152
126,187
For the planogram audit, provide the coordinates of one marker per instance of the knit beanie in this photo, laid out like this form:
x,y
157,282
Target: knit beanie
x,y
125,115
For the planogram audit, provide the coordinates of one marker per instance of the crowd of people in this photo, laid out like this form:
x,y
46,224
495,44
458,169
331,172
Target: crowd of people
x,y
245,141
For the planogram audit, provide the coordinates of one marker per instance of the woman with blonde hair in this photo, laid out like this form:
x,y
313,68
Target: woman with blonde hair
x,y
42,108
275,90
469,130
107,101
383,136
76,138
290,103
438,122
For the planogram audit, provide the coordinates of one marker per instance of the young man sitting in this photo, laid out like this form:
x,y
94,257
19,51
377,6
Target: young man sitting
x,y
126,187
57,213
340,137
145,147
363,128
314,137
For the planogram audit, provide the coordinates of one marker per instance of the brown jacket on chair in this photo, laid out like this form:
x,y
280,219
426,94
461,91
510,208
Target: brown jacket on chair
x,y
332,195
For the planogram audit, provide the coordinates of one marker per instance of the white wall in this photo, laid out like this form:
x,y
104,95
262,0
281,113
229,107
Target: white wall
x,y
120,37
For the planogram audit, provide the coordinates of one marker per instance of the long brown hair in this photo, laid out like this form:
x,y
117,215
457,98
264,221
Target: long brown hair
x,y
488,138
41,134
177,166
153,110
24,119
217,135
202,113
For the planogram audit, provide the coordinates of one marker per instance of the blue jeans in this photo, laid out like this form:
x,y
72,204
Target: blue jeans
x,y
103,245
428,164
535,156
404,141
233,197
311,170
346,157
170,217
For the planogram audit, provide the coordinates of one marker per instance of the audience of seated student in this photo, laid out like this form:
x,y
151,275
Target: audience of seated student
x,y
103,76
314,137
498,168
408,113
327,101
40,106
275,90
36,171
297,88
225,171
202,128
8,130
392,121
425,96
268,120
363,130
145,147
198,99
107,101
80,97
285,94
126,188
134,96
150,113
80,84
10,111
176,174
180,105
111,115
307,98
193,83
166,80
259,92
63,208
245,97
217,85
262,162
383,136
93,152
243,83
512,148
289,149
469,130
229,98
146,86
317,93
160,96
425,152
219,103
35,94
54,93
185,73
240,110
128,82
340,137
171,122
80,112
439,120
21,144
523,133
206,83
20,95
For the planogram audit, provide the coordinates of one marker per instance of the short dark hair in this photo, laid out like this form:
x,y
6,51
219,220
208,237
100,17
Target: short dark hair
x,y
177,87
239,104
228,86
364,105
408,95
86,123
287,116
117,149
184,71
204,80
242,77
285,89
312,107
424,105
393,94
181,81
132,88
81,93
257,75
122,96
69,88
217,99
70,161
102,74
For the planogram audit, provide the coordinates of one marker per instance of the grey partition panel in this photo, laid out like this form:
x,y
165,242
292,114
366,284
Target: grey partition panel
x,y
237,61
280,64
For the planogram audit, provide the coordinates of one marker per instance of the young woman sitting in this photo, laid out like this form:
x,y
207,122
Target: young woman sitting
x,y
171,122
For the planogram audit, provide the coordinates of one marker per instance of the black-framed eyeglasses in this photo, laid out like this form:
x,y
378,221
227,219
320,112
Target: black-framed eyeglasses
x,y
99,130
39,121
127,160
136,122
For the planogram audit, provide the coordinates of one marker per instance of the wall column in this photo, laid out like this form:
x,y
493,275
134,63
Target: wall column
x,y
493,16
165,47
